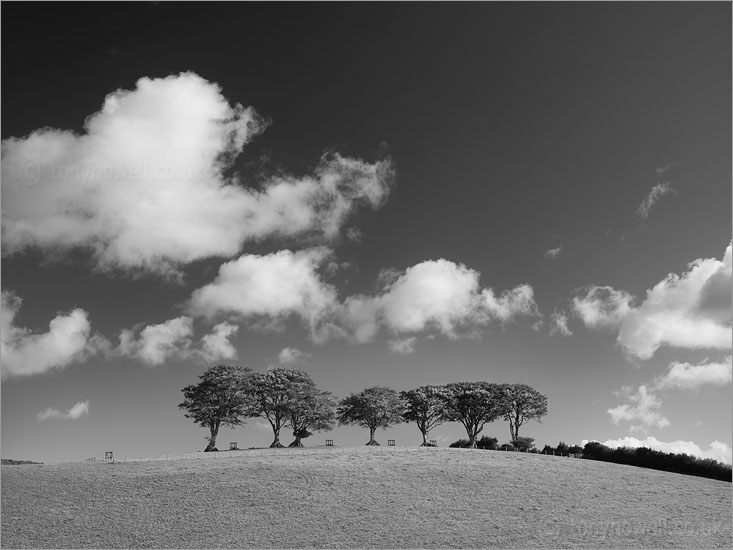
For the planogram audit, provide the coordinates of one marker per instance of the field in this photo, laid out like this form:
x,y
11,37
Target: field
x,y
359,497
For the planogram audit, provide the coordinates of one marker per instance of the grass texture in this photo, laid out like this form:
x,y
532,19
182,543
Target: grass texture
x,y
357,498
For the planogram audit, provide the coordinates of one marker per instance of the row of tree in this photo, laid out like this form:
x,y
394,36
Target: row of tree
x,y
669,462
226,395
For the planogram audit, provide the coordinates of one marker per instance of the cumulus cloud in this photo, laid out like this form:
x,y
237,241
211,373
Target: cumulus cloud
x,y
403,345
717,450
559,324
439,295
602,306
25,353
693,310
514,303
435,295
687,376
291,356
143,188
553,253
216,346
155,344
274,286
655,195
644,408
77,411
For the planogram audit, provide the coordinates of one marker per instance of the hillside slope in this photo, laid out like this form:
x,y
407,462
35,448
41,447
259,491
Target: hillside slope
x,y
352,498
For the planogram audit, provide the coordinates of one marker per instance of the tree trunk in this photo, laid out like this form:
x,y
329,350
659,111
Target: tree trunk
x,y
212,439
513,428
297,442
472,434
424,439
276,442
372,441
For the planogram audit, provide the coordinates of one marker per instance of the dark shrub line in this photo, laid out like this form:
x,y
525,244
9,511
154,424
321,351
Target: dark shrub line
x,y
642,457
658,460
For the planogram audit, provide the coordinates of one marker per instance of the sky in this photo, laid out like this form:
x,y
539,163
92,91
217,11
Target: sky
x,y
392,194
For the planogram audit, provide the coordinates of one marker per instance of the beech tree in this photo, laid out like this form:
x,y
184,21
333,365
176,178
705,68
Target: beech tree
x,y
426,407
314,411
219,399
372,408
275,395
521,404
473,404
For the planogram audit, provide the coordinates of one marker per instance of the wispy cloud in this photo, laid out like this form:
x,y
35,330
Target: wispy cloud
x,y
291,356
77,411
554,253
644,408
655,195
646,401
403,345
686,376
559,324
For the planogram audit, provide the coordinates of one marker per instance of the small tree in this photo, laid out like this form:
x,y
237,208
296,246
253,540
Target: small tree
x,y
426,407
522,403
275,395
219,399
525,444
473,404
488,443
372,408
313,411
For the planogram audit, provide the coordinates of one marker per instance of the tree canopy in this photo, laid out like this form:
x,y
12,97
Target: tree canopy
x,y
473,404
521,404
372,408
314,411
275,394
219,399
426,407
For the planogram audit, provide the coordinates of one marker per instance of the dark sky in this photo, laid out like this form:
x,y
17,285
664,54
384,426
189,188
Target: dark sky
x,y
512,128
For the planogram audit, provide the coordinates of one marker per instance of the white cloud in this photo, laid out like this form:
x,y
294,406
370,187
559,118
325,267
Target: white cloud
x,y
216,345
274,286
144,187
24,353
602,306
517,302
435,294
688,376
155,344
360,315
432,293
553,253
403,345
291,356
717,450
559,324
655,195
645,410
77,411
692,310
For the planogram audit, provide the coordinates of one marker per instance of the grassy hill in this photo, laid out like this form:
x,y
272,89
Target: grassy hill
x,y
359,497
